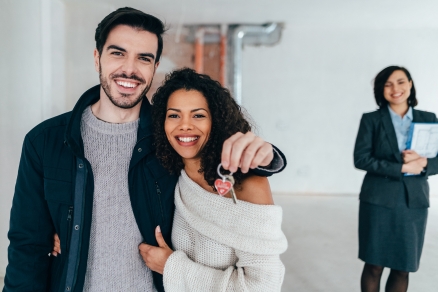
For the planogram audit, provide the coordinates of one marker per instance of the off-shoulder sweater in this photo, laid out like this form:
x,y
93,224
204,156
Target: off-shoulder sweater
x,y
222,246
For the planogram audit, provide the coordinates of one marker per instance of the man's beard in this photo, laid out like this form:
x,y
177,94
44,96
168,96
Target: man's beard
x,y
124,101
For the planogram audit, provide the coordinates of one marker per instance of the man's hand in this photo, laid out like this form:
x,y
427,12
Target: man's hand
x,y
245,151
155,257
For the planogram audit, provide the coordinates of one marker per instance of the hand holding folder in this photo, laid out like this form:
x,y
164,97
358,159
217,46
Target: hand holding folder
x,y
423,139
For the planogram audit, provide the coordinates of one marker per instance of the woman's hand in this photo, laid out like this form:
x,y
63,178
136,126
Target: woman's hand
x,y
413,162
56,245
155,257
245,151
410,155
415,166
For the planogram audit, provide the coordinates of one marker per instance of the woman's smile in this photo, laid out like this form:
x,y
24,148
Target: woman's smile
x,y
188,123
187,140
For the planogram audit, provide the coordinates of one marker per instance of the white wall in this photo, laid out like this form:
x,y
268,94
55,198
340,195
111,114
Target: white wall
x,y
308,93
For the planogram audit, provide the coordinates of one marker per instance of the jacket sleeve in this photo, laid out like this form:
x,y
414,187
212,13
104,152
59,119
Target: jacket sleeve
x,y
363,150
30,228
432,163
251,273
277,164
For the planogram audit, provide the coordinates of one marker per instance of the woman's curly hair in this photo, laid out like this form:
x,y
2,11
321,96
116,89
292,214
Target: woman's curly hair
x,y
227,119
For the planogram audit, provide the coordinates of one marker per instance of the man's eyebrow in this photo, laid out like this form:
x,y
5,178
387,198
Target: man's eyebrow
x,y
150,55
115,48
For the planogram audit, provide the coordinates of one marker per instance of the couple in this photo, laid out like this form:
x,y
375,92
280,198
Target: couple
x,y
116,172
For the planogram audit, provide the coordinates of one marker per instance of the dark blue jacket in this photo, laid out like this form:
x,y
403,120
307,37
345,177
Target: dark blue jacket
x,y
54,194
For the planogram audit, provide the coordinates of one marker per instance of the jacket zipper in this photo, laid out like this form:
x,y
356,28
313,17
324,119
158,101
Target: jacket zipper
x,y
69,231
159,199
76,221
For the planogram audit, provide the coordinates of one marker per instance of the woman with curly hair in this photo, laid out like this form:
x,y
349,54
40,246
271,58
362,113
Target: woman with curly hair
x,y
219,245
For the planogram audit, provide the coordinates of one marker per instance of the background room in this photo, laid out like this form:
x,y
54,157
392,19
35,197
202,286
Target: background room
x,y
306,93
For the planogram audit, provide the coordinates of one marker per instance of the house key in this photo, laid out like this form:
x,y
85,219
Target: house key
x,y
225,185
230,178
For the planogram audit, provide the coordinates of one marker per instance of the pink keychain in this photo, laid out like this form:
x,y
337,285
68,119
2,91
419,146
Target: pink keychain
x,y
225,185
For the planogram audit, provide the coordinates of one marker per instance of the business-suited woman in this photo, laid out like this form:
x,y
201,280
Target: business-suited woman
x,y
393,207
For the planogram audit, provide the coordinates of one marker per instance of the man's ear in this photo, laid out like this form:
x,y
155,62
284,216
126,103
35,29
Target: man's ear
x,y
157,64
96,60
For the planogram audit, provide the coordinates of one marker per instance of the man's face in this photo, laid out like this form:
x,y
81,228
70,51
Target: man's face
x,y
127,65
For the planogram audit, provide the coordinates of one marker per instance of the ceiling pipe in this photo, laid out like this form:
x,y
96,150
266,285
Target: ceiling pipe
x,y
200,35
223,58
199,50
237,46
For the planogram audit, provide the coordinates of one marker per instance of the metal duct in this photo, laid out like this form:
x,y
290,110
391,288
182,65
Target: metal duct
x,y
267,34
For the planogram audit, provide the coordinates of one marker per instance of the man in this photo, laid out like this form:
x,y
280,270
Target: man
x,y
91,175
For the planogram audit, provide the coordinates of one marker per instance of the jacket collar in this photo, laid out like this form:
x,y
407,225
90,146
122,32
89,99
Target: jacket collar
x,y
390,132
417,117
72,135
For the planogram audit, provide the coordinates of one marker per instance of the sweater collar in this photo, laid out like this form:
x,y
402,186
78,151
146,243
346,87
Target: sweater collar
x,y
72,135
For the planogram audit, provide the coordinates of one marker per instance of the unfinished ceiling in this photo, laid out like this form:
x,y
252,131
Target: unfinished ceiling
x,y
309,13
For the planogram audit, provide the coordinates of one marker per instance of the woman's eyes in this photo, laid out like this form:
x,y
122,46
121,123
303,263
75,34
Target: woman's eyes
x,y
196,116
389,84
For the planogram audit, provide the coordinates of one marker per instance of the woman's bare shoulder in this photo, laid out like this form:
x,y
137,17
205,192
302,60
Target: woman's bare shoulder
x,y
255,189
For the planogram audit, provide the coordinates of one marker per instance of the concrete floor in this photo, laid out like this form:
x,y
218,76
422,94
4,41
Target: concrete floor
x,y
323,247
322,253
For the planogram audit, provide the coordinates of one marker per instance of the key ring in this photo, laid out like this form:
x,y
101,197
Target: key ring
x,y
219,172
226,184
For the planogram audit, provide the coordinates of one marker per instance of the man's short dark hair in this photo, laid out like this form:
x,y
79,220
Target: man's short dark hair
x,y
379,85
133,18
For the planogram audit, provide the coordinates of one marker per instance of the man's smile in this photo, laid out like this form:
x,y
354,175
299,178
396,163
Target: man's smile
x,y
127,84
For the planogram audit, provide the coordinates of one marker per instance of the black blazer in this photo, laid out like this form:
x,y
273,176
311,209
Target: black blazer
x,y
376,151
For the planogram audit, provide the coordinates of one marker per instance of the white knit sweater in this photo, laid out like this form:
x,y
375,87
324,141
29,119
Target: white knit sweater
x,y
221,246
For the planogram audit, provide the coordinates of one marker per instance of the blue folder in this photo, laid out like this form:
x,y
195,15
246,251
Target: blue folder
x,y
411,138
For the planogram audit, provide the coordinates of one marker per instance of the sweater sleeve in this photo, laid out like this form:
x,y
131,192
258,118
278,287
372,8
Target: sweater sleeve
x,y
251,273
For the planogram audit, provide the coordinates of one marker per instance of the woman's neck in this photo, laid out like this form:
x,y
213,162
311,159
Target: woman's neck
x,y
400,109
191,167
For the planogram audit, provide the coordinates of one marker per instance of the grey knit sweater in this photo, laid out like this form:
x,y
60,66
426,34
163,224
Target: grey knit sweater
x,y
114,263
